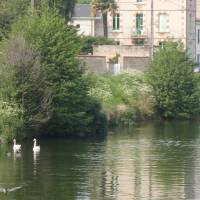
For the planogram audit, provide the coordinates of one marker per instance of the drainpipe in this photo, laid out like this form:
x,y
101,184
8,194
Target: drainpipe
x,y
152,30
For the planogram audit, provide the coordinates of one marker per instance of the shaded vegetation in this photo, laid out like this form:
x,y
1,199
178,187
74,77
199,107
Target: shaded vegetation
x,y
88,42
49,83
126,98
10,10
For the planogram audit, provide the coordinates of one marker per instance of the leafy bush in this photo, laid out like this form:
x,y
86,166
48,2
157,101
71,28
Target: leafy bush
x,y
89,41
28,81
172,78
11,121
10,10
125,118
69,109
125,98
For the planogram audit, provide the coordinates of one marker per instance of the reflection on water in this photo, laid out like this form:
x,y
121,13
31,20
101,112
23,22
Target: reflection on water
x,y
155,161
36,160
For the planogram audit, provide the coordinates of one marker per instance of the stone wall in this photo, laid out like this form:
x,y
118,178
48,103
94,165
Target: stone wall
x,y
95,64
123,50
136,63
98,64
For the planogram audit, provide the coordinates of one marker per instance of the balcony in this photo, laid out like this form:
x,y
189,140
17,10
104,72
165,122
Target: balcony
x,y
140,38
139,34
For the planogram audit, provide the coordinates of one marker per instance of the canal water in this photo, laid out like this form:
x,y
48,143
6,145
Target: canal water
x,y
156,161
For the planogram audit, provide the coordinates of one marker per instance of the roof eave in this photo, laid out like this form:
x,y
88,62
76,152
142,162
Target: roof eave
x,y
85,18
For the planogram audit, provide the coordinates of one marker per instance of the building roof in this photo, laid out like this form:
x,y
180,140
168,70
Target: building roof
x,y
84,11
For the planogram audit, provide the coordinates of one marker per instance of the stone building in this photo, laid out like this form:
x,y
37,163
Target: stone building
x,y
198,32
147,22
140,26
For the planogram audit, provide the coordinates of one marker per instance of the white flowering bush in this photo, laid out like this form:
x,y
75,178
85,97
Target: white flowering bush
x,y
10,120
130,89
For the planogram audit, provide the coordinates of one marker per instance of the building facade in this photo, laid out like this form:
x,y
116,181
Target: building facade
x,y
86,23
150,22
198,33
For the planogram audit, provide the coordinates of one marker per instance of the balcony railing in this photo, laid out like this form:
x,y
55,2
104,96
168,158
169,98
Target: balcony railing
x,y
139,34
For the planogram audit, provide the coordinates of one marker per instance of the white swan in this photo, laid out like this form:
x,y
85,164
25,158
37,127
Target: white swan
x,y
16,147
35,148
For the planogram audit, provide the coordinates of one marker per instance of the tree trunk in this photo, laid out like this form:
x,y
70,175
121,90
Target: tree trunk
x,y
105,25
33,4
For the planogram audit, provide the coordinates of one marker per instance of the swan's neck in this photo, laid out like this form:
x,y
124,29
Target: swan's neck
x,y
35,143
14,142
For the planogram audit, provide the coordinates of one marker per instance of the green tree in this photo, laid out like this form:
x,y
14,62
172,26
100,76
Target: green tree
x,y
9,11
105,7
72,111
173,81
66,7
84,1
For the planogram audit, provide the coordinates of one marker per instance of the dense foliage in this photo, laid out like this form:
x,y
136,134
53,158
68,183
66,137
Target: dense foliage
x,y
9,11
84,1
126,98
173,81
11,121
89,41
65,7
50,85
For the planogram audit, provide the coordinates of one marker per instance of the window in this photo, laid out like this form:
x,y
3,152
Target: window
x,y
138,1
139,24
139,42
116,22
198,59
162,23
161,44
198,36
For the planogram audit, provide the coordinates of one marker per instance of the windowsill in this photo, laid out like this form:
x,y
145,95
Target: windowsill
x,y
162,32
116,31
139,3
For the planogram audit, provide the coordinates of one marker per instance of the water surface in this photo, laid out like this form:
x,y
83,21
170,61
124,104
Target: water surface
x,y
158,161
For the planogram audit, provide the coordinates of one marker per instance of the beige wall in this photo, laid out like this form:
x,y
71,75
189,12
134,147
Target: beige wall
x,y
86,26
125,51
178,14
198,9
111,50
93,27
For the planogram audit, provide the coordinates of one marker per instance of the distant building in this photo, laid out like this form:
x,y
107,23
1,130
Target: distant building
x,y
86,23
140,26
171,19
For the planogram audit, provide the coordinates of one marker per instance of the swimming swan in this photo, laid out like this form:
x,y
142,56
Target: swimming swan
x,y
35,148
16,147
6,190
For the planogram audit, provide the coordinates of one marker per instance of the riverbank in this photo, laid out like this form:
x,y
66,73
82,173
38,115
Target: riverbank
x,y
126,99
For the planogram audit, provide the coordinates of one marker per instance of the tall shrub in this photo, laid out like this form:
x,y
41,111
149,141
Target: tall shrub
x,y
28,79
11,113
59,46
172,78
10,10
